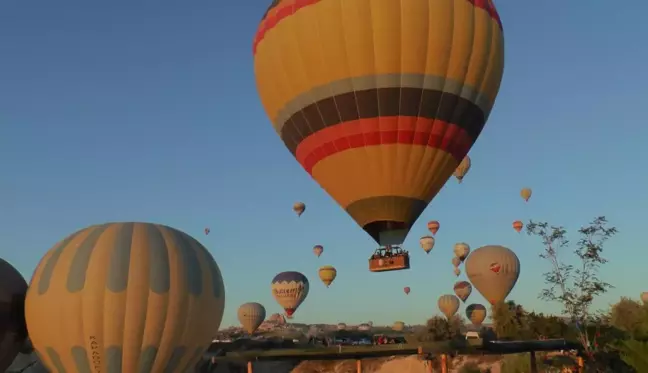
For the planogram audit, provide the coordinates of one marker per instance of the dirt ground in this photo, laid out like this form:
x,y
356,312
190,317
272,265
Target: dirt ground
x,y
410,364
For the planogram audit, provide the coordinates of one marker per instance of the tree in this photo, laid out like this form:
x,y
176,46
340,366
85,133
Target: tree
x,y
547,326
632,318
509,320
440,329
574,286
628,315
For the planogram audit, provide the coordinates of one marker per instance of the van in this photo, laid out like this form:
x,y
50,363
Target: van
x,y
473,339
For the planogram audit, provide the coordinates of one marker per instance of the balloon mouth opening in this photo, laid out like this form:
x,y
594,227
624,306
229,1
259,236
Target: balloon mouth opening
x,y
290,311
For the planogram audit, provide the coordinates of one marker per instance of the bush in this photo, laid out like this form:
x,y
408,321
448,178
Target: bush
x,y
471,368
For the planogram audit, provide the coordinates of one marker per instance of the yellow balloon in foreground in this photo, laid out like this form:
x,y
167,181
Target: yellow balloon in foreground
x,y
125,298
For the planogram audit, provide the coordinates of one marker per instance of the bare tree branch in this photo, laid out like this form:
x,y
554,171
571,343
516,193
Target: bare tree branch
x,y
574,288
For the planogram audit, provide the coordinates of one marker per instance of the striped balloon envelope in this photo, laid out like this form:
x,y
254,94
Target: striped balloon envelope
x,y
379,100
124,297
251,315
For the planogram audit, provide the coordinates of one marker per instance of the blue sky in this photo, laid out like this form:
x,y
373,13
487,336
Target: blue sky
x,y
148,111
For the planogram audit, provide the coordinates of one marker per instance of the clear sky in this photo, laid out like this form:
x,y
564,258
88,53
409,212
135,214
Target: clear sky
x,y
148,111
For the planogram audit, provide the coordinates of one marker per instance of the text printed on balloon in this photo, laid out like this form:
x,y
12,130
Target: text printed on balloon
x,y
96,356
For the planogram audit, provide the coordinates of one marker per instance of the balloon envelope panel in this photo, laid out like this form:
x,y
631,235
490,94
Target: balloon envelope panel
x,y
124,297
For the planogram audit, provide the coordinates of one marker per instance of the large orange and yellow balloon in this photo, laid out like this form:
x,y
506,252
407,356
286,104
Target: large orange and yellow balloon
x,y
379,100
124,297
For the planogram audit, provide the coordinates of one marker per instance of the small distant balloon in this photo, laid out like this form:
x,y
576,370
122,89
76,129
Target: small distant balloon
x,y
457,271
456,262
448,305
462,289
251,315
462,170
644,297
461,250
427,243
341,326
406,289
526,193
398,326
433,226
518,225
318,250
476,313
299,208
327,274
207,230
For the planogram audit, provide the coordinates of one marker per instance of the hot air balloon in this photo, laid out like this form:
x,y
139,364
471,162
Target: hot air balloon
x,y
406,289
493,270
433,226
290,289
299,208
461,250
463,168
644,297
318,250
456,262
427,243
525,193
476,313
341,326
448,305
251,315
124,297
327,274
462,289
13,331
518,225
457,271
376,110
398,326
207,230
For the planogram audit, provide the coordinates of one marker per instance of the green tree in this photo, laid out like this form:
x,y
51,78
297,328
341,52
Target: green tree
x,y
440,329
635,354
628,315
633,351
574,286
509,320
548,326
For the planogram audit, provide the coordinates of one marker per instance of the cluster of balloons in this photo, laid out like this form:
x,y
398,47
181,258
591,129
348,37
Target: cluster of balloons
x,y
492,270
525,193
120,297
461,251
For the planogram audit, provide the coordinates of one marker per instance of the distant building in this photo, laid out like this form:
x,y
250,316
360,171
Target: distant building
x,y
275,321
364,327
